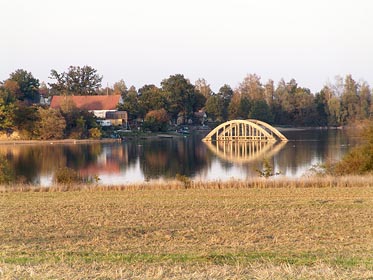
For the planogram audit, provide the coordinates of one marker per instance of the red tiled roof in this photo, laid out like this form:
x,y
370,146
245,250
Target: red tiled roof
x,y
88,102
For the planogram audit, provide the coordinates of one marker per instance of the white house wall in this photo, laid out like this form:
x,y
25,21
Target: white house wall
x,y
101,113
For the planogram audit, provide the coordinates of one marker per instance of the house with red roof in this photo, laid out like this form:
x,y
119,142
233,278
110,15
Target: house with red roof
x,y
104,107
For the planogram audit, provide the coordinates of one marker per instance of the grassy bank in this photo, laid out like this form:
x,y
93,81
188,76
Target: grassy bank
x,y
206,231
184,182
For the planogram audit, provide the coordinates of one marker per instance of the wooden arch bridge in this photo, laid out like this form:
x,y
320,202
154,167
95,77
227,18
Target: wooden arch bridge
x,y
245,130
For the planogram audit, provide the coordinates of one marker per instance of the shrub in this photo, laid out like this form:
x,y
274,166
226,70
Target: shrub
x,y
360,159
156,120
6,172
51,124
95,133
67,176
184,179
267,170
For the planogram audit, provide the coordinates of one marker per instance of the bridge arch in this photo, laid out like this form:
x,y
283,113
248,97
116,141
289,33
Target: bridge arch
x,y
270,128
244,130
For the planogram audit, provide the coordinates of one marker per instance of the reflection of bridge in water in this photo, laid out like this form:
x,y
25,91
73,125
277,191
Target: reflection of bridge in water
x,y
244,152
242,141
245,130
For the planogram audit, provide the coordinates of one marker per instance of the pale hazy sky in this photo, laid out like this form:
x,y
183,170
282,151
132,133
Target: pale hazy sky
x,y
145,41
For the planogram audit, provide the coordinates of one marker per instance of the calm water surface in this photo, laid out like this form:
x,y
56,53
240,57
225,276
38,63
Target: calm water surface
x,y
143,160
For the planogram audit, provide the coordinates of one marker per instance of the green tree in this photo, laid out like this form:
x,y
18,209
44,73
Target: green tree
x,y
239,107
120,88
131,104
226,94
204,88
244,107
269,90
16,95
181,95
335,111
305,108
25,119
364,101
7,117
77,80
261,111
251,87
294,105
151,98
233,108
132,90
27,84
321,108
282,103
199,101
332,105
349,100
9,92
215,108
51,124
7,108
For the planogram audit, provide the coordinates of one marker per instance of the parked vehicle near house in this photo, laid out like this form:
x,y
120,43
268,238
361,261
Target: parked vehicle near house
x,y
184,130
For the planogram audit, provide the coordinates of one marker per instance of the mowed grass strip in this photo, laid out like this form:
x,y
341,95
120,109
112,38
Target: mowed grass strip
x,y
279,229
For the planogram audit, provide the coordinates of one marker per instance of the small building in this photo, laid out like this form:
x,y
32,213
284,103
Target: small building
x,y
104,107
117,118
99,105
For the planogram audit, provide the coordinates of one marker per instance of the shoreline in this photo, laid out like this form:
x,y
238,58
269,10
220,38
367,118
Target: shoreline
x,y
131,136
62,141
142,136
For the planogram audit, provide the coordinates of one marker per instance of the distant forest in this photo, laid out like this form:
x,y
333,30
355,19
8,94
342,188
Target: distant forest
x,y
285,103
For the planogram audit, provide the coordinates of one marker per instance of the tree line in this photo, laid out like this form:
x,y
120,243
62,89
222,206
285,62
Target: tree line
x,y
176,100
290,104
23,117
287,103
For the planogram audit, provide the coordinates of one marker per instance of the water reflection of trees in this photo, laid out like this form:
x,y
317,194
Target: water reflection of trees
x,y
6,172
310,147
168,158
158,158
306,147
29,162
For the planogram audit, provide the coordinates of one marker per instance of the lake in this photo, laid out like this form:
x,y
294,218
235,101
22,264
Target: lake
x,y
162,158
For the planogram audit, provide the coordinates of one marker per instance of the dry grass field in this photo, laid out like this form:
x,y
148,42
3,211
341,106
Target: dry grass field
x,y
196,233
